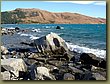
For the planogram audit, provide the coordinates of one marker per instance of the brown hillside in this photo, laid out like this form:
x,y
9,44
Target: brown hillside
x,y
42,16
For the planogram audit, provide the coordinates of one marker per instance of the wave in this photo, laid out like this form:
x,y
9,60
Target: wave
x,y
62,27
59,34
47,27
31,37
22,34
34,37
19,32
35,30
10,28
80,49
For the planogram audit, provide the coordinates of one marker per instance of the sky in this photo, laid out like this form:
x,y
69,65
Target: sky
x,y
89,8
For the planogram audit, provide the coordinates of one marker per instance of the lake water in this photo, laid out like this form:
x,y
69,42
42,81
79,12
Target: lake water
x,y
89,38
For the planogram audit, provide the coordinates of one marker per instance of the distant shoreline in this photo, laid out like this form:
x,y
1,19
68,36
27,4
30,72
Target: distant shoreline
x,y
52,23
38,16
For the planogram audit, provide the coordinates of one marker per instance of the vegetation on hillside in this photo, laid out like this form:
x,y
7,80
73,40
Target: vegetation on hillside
x,y
19,15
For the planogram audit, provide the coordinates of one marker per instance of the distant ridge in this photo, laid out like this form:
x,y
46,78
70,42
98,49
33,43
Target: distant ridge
x,y
21,15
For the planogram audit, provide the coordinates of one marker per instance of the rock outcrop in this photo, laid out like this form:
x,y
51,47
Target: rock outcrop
x,y
51,44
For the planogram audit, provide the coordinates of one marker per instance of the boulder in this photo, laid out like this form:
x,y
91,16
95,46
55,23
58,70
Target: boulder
x,y
43,72
4,31
14,65
68,76
3,57
5,75
98,76
32,72
58,27
84,76
17,29
99,70
91,59
86,58
55,70
103,64
50,42
4,50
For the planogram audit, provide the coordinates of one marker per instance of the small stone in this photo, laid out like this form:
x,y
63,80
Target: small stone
x,y
75,70
42,71
98,76
68,76
5,75
4,50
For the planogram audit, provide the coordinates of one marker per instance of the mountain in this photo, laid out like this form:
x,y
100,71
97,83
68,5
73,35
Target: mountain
x,y
21,15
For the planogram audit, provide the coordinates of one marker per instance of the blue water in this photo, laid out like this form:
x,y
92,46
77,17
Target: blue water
x,y
90,36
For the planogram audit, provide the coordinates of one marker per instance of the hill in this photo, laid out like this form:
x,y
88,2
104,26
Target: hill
x,y
21,15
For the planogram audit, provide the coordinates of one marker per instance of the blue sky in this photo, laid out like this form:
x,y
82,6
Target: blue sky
x,y
89,8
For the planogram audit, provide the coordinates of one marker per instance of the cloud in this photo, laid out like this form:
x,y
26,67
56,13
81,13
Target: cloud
x,y
100,3
82,2
77,2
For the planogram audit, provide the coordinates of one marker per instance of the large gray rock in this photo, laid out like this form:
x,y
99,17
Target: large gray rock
x,y
52,45
14,65
51,42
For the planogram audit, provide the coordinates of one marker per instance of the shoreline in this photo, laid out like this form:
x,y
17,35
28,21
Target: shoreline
x,y
56,61
55,23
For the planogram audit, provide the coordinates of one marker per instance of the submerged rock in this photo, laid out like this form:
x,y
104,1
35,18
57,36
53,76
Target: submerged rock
x,y
58,27
17,29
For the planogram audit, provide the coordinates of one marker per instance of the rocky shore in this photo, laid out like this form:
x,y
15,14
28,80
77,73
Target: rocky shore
x,y
49,59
